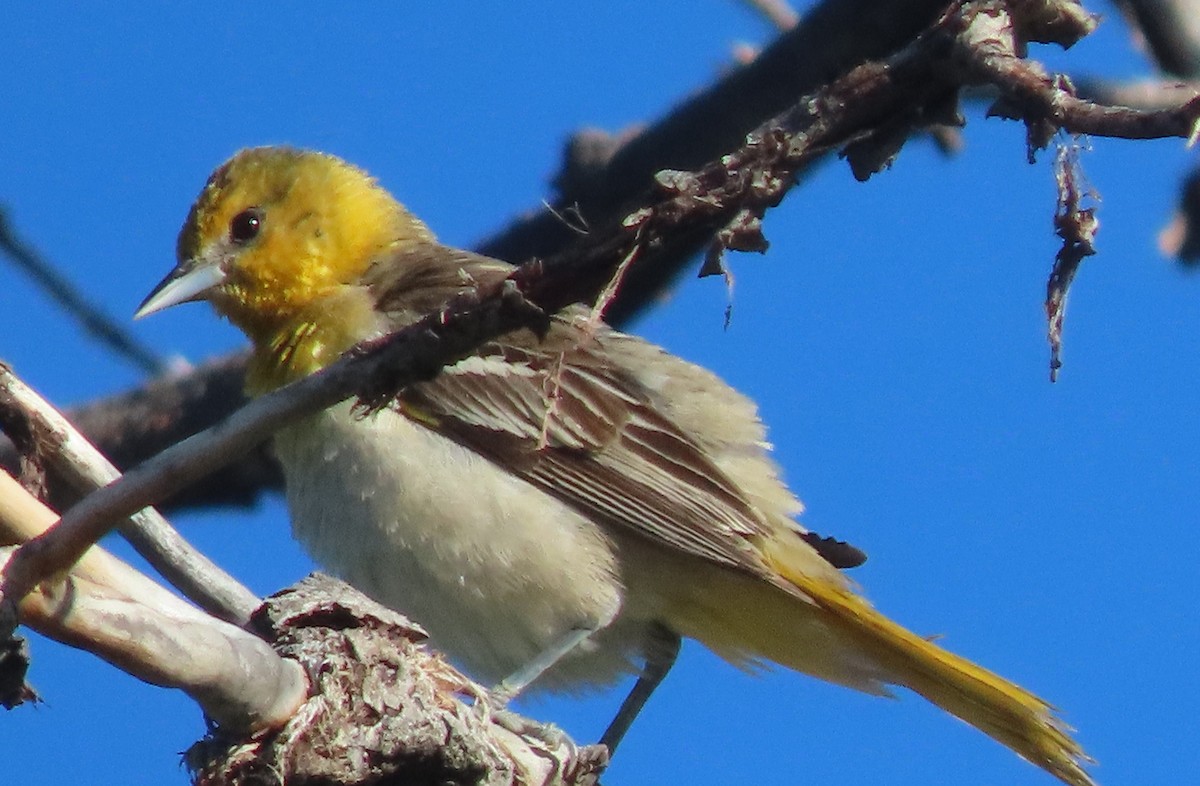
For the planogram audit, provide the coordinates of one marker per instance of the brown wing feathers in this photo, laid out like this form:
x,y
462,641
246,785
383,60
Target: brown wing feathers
x,y
557,414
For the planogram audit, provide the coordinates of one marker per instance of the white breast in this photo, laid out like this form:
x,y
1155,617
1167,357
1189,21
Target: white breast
x,y
495,569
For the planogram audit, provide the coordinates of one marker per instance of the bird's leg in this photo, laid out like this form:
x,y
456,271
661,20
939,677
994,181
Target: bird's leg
x,y
499,696
519,680
661,650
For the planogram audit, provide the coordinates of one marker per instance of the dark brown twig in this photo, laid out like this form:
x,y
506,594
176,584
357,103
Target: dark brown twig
x,y
1077,226
833,37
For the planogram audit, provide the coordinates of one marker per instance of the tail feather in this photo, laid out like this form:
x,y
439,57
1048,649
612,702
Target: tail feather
x,y
1002,710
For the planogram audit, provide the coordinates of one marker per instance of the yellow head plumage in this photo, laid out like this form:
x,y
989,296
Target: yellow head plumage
x,y
278,241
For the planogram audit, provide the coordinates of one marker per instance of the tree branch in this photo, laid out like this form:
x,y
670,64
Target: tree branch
x,y
130,427
106,607
383,709
51,442
414,353
603,180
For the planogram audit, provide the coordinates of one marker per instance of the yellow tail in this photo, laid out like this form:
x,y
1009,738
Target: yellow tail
x,y
1004,711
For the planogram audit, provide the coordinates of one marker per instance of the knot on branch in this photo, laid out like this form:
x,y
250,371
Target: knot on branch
x,y
383,709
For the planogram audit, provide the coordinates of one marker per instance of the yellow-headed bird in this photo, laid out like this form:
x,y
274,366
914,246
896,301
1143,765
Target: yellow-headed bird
x,y
561,509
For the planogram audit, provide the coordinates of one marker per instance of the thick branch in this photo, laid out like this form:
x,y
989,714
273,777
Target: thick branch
x,y
381,704
604,182
383,709
111,610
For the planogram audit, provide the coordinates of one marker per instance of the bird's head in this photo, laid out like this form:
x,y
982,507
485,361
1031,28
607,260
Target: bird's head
x,y
279,241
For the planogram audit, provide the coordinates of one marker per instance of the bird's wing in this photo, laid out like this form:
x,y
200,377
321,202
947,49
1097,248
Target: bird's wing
x,y
568,413
562,414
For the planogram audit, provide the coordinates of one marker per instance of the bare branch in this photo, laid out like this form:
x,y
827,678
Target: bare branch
x,y
111,610
66,451
1047,103
607,181
133,426
380,702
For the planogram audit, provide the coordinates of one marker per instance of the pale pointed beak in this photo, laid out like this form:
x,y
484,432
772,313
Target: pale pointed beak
x,y
191,280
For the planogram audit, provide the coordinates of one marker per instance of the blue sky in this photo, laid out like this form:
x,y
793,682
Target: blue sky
x,y
893,336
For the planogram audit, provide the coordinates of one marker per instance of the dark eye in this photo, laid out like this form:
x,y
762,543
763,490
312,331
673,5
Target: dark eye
x,y
245,226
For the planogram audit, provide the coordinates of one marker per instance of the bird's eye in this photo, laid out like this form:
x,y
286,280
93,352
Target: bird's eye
x,y
245,226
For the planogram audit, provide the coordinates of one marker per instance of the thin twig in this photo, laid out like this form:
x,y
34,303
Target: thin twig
x,y
1077,226
94,321
989,45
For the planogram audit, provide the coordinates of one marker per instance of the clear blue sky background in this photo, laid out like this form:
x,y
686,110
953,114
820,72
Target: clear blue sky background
x,y
893,335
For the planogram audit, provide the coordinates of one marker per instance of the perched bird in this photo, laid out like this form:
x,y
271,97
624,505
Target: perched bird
x,y
558,509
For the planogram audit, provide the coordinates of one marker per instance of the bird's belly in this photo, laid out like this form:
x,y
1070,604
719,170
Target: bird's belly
x,y
496,570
